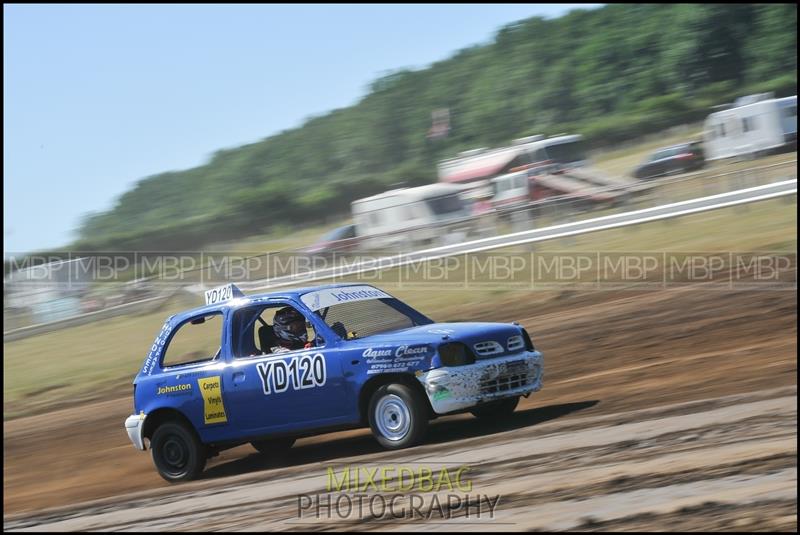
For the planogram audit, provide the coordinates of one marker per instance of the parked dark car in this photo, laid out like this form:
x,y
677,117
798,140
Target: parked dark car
x,y
677,159
340,239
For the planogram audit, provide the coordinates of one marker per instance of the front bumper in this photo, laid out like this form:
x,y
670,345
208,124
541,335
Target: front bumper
x,y
456,388
134,425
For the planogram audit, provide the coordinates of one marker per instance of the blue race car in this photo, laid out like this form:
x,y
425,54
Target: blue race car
x,y
270,368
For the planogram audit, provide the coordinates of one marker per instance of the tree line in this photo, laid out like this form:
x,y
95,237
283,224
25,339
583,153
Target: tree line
x,y
612,74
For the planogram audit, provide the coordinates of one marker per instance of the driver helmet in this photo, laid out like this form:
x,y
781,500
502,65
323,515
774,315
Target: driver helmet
x,y
290,326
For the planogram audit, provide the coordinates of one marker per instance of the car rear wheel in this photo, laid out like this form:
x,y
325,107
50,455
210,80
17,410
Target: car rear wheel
x,y
496,409
273,447
398,416
177,452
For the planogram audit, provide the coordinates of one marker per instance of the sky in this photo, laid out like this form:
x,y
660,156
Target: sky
x,y
98,97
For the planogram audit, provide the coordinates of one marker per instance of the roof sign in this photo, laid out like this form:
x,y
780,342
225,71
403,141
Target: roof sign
x,y
345,294
222,293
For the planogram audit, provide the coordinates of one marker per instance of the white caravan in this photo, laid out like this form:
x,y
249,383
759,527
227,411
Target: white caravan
x,y
755,125
411,217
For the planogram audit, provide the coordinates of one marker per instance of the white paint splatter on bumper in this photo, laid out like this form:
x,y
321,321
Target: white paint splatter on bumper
x,y
456,388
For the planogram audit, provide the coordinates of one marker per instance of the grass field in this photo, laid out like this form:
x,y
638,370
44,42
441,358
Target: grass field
x,y
614,163
99,360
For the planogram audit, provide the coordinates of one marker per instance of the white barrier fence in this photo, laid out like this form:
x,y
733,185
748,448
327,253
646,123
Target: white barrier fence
x,y
563,216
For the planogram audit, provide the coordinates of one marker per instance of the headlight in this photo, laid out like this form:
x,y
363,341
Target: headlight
x,y
455,354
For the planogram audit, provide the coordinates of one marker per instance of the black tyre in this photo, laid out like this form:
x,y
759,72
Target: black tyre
x,y
398,416
274,447
177,452
496,410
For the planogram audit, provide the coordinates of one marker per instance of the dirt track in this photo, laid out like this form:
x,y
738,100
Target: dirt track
x,y
660,409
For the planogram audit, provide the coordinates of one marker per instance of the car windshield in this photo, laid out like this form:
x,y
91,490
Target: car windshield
x,y
359,319
663,153
340,233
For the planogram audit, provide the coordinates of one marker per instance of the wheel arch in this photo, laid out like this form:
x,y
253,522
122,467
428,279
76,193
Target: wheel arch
x,y
163,415
377,381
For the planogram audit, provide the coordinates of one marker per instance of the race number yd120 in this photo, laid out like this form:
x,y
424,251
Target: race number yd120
x,y
299,372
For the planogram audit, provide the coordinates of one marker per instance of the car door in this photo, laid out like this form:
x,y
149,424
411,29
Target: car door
x,y
650,168
674,163
290,391
659,164
190,372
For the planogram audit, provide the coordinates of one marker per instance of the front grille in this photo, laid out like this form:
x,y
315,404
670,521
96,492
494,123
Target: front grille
x,y
487,348
503,384
514,375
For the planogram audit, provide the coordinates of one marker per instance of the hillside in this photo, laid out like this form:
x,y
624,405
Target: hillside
x,y
612,74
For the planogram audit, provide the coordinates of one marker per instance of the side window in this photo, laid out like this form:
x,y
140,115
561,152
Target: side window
x,y
522,159
268,317
197,340
254,334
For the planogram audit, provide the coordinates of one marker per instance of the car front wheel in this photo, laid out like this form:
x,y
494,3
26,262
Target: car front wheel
x,y
496,410
177,452
398,416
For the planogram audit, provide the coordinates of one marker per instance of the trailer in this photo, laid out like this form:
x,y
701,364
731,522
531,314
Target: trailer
x,y
531,169
534,153
755,125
